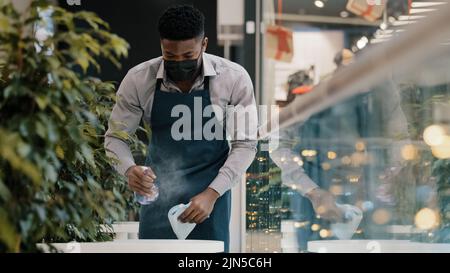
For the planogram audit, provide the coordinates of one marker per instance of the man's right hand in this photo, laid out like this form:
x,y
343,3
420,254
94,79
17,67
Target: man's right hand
x,y
141,179
324,204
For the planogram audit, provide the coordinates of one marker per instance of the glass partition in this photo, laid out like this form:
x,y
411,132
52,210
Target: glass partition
x,y
381,152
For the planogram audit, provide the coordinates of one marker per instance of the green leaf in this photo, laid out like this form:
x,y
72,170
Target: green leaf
x,y
58,112
8,234
50,172
5,194
41,130
59,152
88,155
41,212
8,145
42,101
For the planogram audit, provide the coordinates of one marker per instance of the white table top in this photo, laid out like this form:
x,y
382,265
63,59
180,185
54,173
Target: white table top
x,y
142,246
375,246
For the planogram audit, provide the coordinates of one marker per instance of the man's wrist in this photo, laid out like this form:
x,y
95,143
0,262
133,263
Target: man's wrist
x,y
129,168
213,193
311,193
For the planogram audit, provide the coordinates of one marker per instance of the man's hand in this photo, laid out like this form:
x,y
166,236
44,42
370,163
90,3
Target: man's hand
x,y
200,208
324,205
140,180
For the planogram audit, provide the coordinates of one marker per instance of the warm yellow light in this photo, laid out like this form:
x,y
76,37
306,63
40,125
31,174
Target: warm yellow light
x,y
426,218
353,178
336,190
300,224
296,159
360,146
326,166
315,227
324,233
309,153
331,155
381,216
434,135
442,151
409,152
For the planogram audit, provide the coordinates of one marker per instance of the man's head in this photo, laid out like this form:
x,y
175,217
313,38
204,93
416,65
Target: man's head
x,y
182,33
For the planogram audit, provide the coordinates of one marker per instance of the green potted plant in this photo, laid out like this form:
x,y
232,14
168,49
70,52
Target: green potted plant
x,y
422,105
56,183
441,170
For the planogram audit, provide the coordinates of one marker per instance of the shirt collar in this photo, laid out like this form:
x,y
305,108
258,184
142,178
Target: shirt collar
x,y
207,69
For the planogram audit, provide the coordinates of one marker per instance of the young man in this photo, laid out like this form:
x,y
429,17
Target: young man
x,y
191,169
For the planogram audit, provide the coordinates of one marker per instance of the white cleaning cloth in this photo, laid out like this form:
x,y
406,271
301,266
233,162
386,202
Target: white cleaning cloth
x,y
353,217
182,230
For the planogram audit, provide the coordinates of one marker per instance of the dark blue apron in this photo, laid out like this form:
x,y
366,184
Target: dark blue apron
x,y
184,168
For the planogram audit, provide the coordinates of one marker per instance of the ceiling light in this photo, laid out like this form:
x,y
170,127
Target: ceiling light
x,y
362,42
410,17
344,14
377,41
319,4
415,11
426,4
402,23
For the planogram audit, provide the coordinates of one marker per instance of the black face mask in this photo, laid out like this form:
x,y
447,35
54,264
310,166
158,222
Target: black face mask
x,y
182,70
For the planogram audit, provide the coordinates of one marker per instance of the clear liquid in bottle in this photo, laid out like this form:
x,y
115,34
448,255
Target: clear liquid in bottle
x,y
146,200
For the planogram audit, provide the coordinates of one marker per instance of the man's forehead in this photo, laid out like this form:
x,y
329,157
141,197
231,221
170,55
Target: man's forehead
x,y
183,43
180,47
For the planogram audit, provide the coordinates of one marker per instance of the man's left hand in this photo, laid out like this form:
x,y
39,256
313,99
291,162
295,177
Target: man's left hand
x,y
201,207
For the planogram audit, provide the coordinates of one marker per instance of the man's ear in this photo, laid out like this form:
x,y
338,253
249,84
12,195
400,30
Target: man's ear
x,y
205,44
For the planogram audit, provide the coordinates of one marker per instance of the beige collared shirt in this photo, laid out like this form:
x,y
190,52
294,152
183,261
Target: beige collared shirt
x,y
230,84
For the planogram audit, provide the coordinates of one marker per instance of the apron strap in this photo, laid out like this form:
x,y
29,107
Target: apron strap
x,y
158,84
205,83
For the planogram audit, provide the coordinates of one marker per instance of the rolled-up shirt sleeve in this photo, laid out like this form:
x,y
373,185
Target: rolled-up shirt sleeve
x,y
124,121
243,136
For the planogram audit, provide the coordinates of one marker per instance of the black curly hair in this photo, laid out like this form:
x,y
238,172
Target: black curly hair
x,y
181,22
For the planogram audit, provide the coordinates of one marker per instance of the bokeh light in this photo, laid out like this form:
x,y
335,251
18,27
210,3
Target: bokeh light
x,y
442,151
324,233
409,152
426,218
434,135
381,216
331,155
360,146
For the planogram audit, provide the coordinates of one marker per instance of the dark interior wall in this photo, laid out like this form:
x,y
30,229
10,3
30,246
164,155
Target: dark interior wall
x,y
136,21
